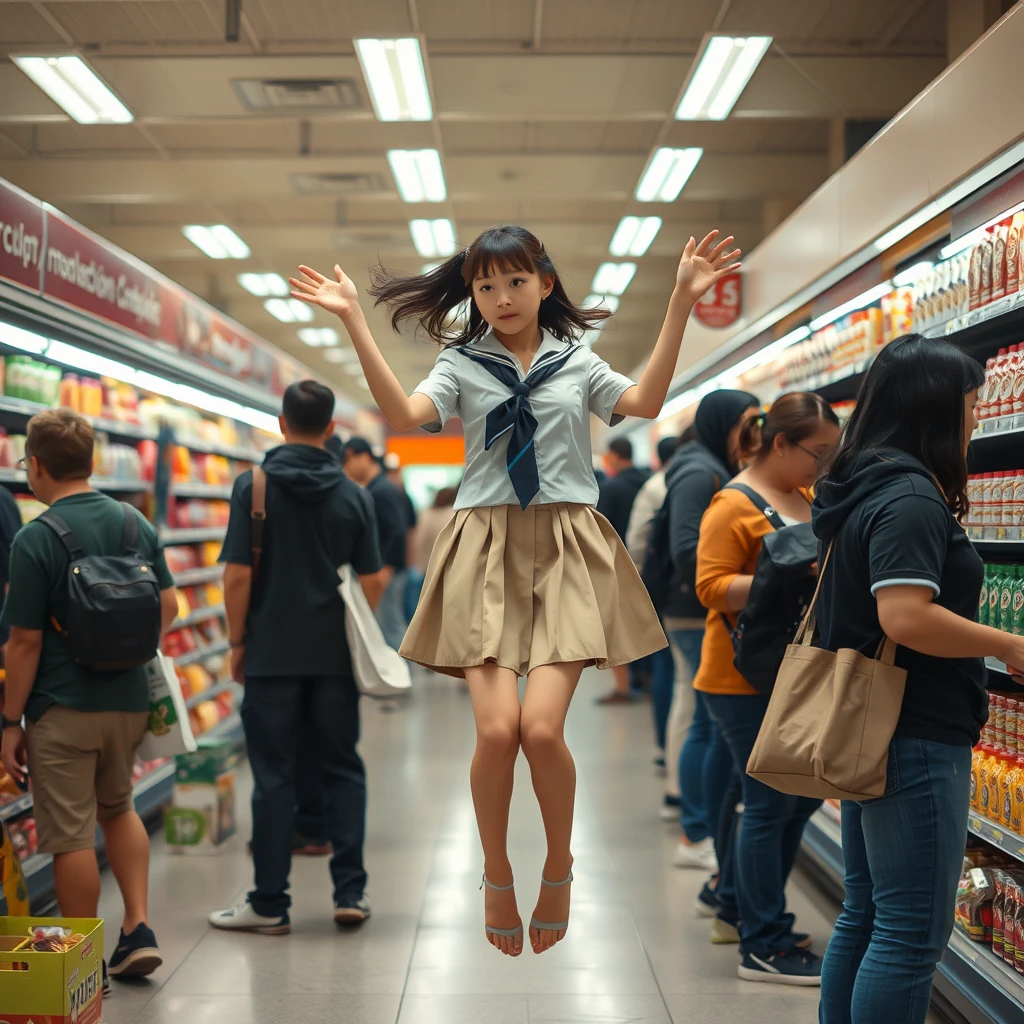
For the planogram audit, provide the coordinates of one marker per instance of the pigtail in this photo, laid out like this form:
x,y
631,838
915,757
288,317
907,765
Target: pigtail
x,y
430,300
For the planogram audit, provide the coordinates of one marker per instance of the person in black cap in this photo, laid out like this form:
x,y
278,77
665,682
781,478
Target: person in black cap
x,y
365,469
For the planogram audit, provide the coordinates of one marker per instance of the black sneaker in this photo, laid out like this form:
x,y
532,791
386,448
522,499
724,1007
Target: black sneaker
x,y
107,990
137,955
707,902
346,914
794,967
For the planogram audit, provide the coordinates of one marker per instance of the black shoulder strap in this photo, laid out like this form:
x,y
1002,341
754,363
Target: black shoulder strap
x,y
131,529
63,531
763,507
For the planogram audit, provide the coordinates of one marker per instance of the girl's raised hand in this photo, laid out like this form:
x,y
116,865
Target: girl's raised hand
x,y
339,297
702,265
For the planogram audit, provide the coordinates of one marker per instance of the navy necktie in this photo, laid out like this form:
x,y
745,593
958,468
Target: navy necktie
x,y
514,417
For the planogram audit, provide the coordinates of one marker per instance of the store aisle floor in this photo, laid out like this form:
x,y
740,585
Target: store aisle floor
x,y
635,950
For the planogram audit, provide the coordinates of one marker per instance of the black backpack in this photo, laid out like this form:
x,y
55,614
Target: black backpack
x,y
779,597
658,572
113,601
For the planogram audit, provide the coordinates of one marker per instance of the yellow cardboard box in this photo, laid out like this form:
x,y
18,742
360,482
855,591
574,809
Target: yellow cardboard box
x,y
57,988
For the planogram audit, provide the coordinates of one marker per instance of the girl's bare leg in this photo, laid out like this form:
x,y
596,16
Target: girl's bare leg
x,y
495,695
548,693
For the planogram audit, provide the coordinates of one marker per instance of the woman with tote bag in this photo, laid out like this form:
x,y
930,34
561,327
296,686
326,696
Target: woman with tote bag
x,y
902,567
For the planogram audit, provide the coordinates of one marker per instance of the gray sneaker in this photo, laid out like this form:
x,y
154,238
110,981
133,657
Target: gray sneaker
x,y
352,913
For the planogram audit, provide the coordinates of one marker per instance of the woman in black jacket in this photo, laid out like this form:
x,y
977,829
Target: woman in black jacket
x,y
706,779
901,565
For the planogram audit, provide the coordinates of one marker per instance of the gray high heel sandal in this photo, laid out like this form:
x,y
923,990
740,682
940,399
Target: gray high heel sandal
x,y
505,933
543,926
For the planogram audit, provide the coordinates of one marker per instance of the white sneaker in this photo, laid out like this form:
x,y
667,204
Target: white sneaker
x,y
244,919
698,855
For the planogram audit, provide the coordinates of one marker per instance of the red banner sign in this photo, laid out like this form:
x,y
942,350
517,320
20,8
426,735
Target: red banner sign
x,y
720,306
21,237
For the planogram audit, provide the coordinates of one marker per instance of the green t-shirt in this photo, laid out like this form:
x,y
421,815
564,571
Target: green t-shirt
x,y
39,591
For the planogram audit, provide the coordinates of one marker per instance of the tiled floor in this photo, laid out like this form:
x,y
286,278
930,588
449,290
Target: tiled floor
x,y
635,951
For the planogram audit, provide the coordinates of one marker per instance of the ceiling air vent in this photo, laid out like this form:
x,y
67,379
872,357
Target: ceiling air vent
x,y
342,184
296,94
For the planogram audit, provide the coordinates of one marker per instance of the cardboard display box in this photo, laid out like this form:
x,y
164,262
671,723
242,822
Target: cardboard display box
x,y
51,988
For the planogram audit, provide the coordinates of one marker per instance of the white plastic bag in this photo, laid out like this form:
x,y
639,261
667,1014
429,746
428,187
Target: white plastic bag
x,y
169,731
378,669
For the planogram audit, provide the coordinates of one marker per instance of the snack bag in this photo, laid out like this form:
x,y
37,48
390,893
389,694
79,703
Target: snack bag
x,y
12,878
974,901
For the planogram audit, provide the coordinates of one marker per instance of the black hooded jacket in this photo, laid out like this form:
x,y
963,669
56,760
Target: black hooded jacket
x,y
889,525
697,472
317,520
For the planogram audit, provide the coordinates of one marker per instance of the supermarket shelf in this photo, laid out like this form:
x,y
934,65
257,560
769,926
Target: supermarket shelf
x,y
221,647
243,454
190,490
13,476
213,611
228,729
214,691
101,483
193,536
978,317
996,834
16,807
995,665
823,848
204,574
984,988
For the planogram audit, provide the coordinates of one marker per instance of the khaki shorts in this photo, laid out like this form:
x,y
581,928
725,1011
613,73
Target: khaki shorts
x,y
80,764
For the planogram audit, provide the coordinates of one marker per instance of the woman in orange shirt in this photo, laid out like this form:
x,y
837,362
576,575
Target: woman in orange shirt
x,y
799,431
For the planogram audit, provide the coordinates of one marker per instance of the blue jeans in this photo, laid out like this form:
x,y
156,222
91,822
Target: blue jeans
x,y
903,854
391,610
770,834
663,679
273,712
413,588
698,819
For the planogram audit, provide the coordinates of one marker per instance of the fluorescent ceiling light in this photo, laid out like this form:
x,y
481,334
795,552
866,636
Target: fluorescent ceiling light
x,y
318,337
721,75
340,355
289,311
76,88
418,175
433,237
393,69
862,300
610,302
666,174
911,274
634,235
80,359
613,278
263,285
975,236
217,241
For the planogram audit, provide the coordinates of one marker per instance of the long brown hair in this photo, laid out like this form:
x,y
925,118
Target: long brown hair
x,y
794,416
433,300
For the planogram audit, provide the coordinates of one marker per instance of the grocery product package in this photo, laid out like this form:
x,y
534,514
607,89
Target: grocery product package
x,y
169,731
58,979
202,812
974,899
12,878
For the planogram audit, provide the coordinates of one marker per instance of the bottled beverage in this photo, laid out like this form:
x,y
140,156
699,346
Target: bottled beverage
x,y
983,597
1006,599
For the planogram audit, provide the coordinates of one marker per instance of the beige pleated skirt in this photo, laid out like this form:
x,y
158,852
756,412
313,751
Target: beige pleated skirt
x,y
519,589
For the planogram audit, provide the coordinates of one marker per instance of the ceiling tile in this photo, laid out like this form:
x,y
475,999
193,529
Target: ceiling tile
x,y
102,21
488,21
319,20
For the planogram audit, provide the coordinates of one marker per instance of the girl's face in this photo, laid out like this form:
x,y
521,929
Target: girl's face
x,y
510,302
970,417
799,465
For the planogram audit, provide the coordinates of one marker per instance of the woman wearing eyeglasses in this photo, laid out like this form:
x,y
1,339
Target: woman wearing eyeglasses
x,y
786,449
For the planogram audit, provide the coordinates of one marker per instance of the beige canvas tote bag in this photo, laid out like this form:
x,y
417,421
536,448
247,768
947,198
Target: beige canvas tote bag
x,y
830,719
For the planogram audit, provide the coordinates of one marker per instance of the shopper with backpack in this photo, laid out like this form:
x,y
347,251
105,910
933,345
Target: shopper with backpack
x,y
698,471
292,524
76,672
799,431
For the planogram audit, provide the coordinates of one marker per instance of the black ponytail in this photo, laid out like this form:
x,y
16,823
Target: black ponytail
x,y
435,300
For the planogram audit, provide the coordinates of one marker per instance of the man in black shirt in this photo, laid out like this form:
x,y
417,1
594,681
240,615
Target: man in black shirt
x,y
287,629
362,466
